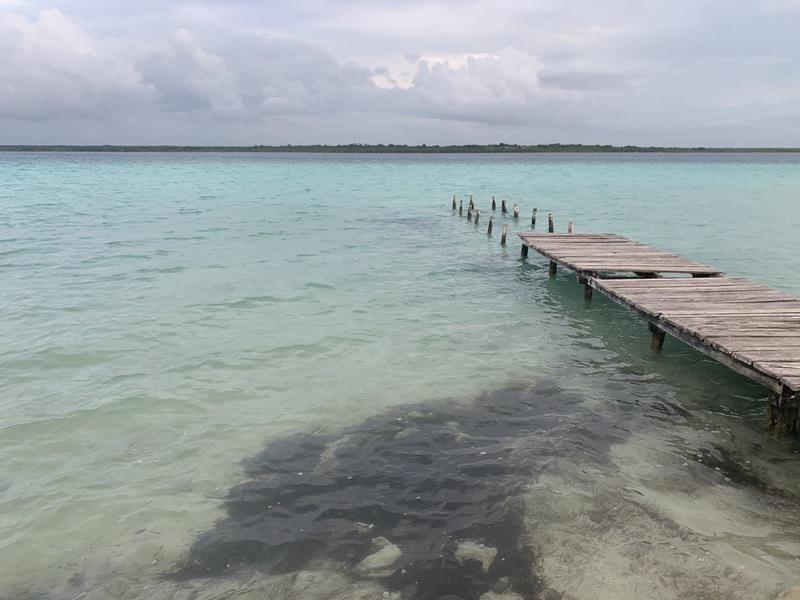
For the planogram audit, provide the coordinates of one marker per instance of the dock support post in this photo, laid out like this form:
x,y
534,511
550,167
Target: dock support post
x,y
587,289
524,250
782,413
503,208
553,268
533,218
491,223
454,201
503,235
471,203
477,215
469,214
515,212
494,203
570,227
460,208
657,338
550,225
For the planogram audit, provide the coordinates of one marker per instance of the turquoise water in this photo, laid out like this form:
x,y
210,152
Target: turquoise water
x,y
165,317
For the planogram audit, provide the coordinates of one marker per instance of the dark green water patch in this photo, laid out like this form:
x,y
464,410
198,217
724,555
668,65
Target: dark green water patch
x,y
424,501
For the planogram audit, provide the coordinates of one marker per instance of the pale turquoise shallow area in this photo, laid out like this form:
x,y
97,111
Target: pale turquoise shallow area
x,y
163,315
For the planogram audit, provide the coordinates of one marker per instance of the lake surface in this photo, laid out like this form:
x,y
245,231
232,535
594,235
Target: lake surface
x,y
301,376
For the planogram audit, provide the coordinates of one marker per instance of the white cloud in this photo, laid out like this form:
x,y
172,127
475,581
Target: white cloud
x,y
319,70
50,68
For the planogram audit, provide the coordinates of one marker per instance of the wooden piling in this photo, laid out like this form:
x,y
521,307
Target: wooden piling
x,y
533,216
494,203
477,215
570,227
469,214
471,203
550,225
503,208
491,223
657,338
515,211
503,235
454,201
587,288
782,412
524,252
553,268
460,208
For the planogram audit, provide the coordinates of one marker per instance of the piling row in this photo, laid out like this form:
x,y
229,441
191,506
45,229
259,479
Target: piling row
x,y
473,215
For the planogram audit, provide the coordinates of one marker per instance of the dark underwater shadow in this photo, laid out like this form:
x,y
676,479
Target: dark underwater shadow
x,y
424,500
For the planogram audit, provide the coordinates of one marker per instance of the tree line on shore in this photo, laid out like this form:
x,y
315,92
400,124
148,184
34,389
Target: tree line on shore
x,y
390,148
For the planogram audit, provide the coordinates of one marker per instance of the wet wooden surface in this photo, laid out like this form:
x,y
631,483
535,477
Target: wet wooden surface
x,y
749,327
590,253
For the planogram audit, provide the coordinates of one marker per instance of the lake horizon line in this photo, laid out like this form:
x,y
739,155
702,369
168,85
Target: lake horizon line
x,y
358,148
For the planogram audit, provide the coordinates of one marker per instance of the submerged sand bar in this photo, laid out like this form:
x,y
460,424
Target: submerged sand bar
x,y
748,327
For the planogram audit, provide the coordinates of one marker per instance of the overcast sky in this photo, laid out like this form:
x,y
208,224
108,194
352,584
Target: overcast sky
x,y
671,72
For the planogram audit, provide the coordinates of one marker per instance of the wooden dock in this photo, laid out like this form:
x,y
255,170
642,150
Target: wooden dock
x,y
591,253
750,328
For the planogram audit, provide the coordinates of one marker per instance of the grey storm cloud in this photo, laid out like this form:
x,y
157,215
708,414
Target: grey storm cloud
x,y
240,71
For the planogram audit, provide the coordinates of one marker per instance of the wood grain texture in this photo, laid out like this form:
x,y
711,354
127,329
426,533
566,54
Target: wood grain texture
x,y
750,328
609,253
753,329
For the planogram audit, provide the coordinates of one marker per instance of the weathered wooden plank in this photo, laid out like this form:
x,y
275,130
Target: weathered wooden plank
x,y
745,334
577,242
624,258
641,267
754,340
678,282
778,369
710,299
763,321
572,254
792,382
690,311
754,331
780,307
681,284
682,294
710,334
611,263
573,236
767,355
709,287
594,253
755,343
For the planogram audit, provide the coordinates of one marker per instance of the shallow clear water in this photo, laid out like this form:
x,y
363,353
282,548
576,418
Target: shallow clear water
x,y
188,340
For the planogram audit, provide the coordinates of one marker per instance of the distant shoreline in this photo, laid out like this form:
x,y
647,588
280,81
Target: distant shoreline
x,y
398,149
